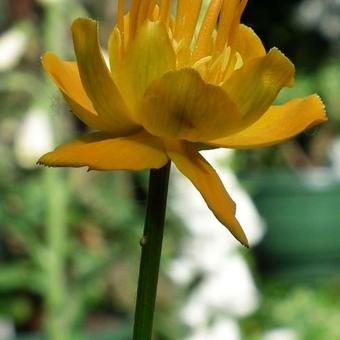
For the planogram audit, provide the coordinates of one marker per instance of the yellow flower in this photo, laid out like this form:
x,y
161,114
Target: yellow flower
x,y
169,90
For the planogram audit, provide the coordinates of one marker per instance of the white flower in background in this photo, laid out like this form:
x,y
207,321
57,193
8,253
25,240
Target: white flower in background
x,y
7,331
334,156
13,44
226,290
321,14
281,334
222,329
33,138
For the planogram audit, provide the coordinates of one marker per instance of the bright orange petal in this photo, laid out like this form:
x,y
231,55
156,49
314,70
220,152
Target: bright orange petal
x,y
248,44
101,151
96,78
181,105
207,182
66,77
278,124
256,85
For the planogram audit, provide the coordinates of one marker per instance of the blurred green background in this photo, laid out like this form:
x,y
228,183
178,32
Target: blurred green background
x,y
69,239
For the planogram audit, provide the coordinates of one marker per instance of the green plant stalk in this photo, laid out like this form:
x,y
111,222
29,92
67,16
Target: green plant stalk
x,y
151,244
57,325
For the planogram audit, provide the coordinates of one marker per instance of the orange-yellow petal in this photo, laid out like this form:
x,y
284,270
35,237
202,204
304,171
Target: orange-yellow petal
x,y
115,50
181,105
256,85
248,44
97,80
278,124
66,77
101,151
207,182
148,57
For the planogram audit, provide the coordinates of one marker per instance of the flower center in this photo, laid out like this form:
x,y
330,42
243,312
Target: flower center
x,y
206,47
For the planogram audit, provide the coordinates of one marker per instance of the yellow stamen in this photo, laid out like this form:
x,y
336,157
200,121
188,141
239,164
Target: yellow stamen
x,y
201,62
177,45
116,46
134,9
237,19
164,11
120,15
154,13
151,9
180,18
126,30
225,25
193,11
219,66
235,61
239,61
140,11
143,11
207,29
201,66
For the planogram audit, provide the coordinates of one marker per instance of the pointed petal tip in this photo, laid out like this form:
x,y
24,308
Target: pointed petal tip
x,y
238,232
205,179
244,241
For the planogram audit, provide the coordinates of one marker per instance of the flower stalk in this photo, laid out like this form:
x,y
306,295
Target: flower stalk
x,y
151,244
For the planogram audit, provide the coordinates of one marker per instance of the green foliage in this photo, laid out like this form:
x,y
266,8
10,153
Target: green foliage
x,y
310,310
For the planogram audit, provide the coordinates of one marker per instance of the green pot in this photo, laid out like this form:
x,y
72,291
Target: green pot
x,y
302,215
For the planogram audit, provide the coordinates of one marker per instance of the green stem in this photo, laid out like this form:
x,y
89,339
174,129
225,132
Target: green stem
x,y
56,322
151,244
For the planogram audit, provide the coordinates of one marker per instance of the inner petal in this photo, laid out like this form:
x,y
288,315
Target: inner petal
x,y
148,57
181,105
